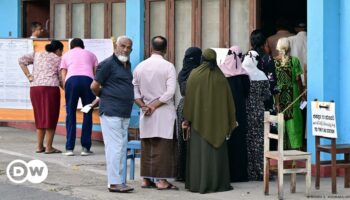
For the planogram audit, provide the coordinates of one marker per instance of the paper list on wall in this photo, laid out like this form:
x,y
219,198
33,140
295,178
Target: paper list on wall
x,y
102,48
14,86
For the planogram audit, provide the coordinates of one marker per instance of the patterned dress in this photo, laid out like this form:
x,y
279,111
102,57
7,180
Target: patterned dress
x,y
259,92
181,143
288,91
267,65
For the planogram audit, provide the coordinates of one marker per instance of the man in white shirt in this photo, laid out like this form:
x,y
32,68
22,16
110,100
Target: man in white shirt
x,y
298,47
154,87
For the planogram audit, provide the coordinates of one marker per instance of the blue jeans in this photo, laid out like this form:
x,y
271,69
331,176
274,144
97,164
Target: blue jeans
x,y
78,87
115,138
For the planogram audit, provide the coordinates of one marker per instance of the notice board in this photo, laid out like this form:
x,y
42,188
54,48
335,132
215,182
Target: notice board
x,y
15,103
323,119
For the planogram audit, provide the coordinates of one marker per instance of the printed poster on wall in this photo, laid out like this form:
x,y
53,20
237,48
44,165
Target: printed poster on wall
x,y
323,119
14,86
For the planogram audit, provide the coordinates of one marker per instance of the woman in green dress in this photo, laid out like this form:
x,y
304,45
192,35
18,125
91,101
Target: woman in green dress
x,y
288,72
209,112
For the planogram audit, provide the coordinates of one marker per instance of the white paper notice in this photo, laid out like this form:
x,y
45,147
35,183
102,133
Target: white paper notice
x,y
14,86
323,119
86,108
303,104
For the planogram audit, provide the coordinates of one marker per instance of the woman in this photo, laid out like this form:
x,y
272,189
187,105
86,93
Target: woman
x,y
288,71
238,80
191,60
259,92
45,92
210,111
266,64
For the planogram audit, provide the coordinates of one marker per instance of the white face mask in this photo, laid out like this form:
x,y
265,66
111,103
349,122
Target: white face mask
x,y
122,58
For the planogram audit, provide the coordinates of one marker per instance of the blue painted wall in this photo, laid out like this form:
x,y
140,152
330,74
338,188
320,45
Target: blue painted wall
x,y
315,64
328,63
10,18
344,65
135,30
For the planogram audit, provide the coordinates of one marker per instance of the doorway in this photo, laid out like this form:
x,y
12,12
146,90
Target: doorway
x,y
35,11
292,10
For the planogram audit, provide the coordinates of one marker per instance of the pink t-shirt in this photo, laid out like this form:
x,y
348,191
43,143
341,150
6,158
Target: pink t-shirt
x,y
79,62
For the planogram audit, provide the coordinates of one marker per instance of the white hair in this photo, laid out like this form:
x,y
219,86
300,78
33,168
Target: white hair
x,y
283,48
121,38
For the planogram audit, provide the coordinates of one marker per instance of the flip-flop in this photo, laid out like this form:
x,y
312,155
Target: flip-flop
x,y
150,185
40,151
53,151
121,189
169,187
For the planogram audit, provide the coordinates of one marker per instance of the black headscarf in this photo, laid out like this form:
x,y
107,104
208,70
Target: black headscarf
x,y
191,60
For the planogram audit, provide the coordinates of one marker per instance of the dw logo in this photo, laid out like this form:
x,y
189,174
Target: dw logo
x,y
35,171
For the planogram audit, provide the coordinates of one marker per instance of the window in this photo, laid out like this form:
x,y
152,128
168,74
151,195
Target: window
x,y
78,12
183,27
60,23
183,36
118,19
239,23
157,18
97,20
87,18
210,24
201,23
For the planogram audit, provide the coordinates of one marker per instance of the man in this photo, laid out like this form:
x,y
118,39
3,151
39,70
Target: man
x,y
154,86
113,84
298,46
37,30
78,67
282,31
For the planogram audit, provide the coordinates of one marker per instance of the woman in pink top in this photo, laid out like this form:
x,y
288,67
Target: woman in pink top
x,y
78,68
44,91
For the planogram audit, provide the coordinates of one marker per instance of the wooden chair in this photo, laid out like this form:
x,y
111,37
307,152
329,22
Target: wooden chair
x,y
333,149
283,155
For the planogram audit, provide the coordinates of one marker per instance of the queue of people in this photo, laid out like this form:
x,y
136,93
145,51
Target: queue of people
x,y
214,137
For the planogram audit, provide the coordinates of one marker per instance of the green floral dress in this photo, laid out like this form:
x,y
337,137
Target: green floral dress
x,y
288,91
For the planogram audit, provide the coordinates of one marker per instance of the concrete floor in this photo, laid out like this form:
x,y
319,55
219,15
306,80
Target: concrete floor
x,y
80,177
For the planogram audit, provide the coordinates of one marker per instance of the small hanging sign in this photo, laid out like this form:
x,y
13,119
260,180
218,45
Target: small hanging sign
x,y
323,119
